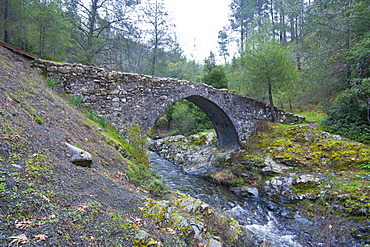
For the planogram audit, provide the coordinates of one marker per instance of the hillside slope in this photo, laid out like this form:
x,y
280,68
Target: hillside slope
x,y
42,194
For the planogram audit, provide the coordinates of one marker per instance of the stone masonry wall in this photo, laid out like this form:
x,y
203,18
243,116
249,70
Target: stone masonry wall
x,y
128,99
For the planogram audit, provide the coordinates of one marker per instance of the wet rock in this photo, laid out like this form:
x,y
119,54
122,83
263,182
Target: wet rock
x,y
197,154
80,157
214,243
245,191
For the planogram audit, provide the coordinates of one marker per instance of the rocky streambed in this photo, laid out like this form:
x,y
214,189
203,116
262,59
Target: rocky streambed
x,y
280,194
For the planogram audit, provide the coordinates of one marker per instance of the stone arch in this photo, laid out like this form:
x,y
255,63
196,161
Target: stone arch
x,y
228,137
126,99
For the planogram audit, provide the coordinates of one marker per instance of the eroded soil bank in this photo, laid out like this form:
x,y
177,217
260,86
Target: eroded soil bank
x,y
46,200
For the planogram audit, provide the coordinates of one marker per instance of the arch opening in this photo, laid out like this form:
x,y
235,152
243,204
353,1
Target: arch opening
x,y
181,118
228,137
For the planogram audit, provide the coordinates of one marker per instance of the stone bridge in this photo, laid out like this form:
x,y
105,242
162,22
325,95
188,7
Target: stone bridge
x,y
129,99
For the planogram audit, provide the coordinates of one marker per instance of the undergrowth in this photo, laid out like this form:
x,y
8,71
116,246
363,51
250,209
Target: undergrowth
x,y
135,147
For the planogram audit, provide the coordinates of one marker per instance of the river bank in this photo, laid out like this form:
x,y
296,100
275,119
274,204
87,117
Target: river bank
x,y
310,178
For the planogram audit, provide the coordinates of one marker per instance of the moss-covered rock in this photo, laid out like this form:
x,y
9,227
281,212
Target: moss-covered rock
x,y
191,219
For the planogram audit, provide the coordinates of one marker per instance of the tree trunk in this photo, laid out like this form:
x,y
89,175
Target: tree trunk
x,y
272,107
6,22
299,67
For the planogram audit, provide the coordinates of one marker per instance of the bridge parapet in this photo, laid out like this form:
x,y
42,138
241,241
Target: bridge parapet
x,y
129,99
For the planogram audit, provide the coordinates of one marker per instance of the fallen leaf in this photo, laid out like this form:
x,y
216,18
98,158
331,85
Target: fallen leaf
x,y
40,237
46,198
39,224
82,208
23,225
170,231
19,239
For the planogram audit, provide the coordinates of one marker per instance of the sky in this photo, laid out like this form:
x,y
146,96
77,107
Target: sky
x,y
197,25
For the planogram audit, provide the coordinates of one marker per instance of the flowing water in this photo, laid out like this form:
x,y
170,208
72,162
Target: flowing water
x,y
269,222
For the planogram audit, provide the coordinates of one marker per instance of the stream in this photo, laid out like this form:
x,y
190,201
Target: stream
x,y
269,222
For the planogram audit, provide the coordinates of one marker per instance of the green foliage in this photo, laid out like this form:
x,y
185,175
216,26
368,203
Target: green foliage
x,y
316,116
214,75
268,63
93,116
366,166
142,175
38,166
348,115
140,172
135,148
52,82
39,27
236,182
183,117
140,144
2,188
103,122
265,69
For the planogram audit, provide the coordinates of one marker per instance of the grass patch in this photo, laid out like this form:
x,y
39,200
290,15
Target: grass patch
x,y
51,82
316,116
93,116
75,100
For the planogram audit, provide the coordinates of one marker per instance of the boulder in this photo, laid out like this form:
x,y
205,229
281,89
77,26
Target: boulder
x,y
245,191
286,187
80,157
271,167
196,154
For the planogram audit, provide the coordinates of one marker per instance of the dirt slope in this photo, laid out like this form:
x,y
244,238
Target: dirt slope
x,y
44,196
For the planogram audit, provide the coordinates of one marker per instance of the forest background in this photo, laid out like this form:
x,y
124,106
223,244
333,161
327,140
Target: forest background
x,y
295,54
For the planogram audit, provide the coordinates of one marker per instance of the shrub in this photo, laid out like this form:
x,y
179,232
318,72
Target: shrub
x,y
184,118
140,144
140,172
348,116
141,175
